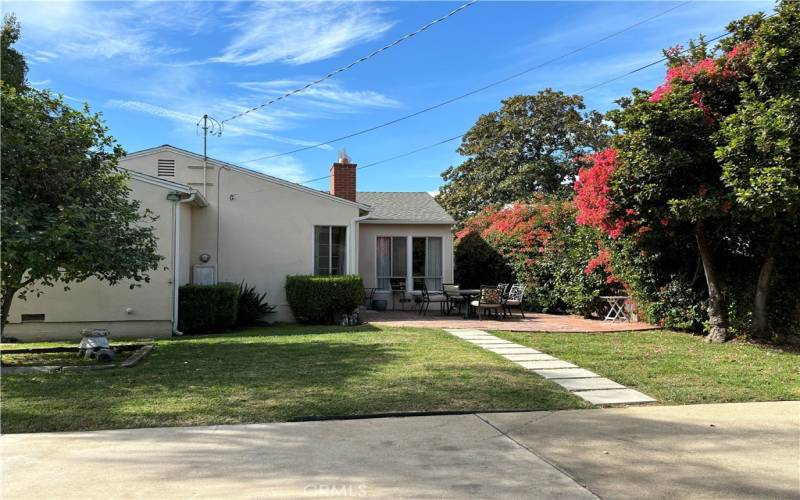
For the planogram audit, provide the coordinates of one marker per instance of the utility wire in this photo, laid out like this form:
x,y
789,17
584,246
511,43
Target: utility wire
x,y
475,91
663,59
357,61
587,89
402,155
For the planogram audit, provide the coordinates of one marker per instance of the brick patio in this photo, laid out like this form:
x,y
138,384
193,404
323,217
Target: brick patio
x,y
532,322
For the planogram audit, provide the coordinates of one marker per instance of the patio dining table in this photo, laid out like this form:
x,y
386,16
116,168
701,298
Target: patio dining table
x,y
469,295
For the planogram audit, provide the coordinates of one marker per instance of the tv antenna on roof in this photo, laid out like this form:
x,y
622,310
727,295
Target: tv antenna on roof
x,y
213,127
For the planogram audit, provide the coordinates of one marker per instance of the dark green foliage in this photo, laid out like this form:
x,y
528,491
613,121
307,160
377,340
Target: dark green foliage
x,y
13,67
323,299
477,263
207,308
252,306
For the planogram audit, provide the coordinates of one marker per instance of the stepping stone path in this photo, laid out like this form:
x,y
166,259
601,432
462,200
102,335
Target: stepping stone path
x,y
583,383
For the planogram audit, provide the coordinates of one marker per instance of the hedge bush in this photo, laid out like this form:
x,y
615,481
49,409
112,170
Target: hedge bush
x,y
207,308
323,299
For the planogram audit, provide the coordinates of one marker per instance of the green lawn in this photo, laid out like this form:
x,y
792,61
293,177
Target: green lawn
x,y
677,368
277,374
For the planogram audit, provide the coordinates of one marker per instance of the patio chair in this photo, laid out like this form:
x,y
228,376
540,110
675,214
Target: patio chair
x,y
427,298
369,295
491,299
514,299
398,287
454,297
504,288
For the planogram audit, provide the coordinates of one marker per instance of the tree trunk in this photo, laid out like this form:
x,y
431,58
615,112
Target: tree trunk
x,y
7,296
716,306
760,322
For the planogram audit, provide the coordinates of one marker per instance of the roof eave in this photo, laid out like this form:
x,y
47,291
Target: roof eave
x,y
409,221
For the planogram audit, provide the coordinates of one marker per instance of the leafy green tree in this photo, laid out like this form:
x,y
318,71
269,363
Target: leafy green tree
x,y
759,144
66,212
12,65
528,146
712,152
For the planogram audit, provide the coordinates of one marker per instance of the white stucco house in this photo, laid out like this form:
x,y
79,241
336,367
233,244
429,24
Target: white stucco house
x,y
225,223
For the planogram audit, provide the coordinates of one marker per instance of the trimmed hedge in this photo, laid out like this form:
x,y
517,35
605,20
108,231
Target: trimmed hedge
x,y
323,299
207,308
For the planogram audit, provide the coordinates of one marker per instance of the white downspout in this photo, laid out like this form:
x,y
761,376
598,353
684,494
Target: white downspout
x,y
352,252
176,267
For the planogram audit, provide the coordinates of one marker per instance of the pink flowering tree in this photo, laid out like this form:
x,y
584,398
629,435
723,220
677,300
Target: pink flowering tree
x,y
537,243
681,180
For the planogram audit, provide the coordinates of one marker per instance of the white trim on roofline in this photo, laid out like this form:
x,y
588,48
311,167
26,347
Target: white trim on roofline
x,y
200,200
260,175
407,222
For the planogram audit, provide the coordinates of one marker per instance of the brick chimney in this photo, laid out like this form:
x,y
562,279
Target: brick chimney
x,y
343,177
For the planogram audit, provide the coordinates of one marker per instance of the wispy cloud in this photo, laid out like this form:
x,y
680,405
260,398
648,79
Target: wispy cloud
x,y
252,126
300,33
104,30
328,94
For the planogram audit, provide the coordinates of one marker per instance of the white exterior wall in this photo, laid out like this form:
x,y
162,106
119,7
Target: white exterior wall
x,y
93,304
368,235
266,231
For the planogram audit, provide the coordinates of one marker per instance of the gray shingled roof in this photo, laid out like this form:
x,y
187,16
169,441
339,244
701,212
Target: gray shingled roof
x,y
418,207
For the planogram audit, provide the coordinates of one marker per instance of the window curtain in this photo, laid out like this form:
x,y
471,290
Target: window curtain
x,y
399,252
384,262
433,264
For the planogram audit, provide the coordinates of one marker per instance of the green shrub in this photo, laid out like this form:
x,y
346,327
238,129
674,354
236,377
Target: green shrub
x,y
323,299
207,308
252,306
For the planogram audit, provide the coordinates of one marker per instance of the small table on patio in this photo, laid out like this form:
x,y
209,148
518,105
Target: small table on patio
x,y
469,295
616,311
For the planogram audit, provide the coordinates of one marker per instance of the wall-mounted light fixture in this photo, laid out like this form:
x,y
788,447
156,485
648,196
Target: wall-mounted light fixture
x,y
204,257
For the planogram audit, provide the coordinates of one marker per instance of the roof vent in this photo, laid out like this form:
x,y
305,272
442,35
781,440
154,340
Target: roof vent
x,y
343,157
166,168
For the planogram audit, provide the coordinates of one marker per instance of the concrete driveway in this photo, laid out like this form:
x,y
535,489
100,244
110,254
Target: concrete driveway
x,y
707,451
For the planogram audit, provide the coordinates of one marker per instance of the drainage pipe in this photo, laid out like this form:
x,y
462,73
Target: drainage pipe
x,y
176,197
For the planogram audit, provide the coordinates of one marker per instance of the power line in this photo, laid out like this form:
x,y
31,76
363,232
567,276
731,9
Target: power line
x,y
357,61
610,80
402,155
648,65
472,92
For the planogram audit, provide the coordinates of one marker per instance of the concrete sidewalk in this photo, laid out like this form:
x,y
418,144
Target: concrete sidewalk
x,y
722,451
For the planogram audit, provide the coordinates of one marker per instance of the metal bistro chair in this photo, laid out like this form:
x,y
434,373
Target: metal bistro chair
x,y
491,299
369,295
514,299
504,288
454,297
427,298
398,288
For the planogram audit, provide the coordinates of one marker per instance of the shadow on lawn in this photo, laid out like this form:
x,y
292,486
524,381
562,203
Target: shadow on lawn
x,y
194,380
282,330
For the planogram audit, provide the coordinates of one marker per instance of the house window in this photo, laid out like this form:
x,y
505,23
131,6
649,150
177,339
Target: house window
x,y
426,262
391,262
399,263
330,249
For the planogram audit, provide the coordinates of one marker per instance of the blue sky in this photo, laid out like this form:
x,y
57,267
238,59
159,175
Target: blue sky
x,y
154,68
